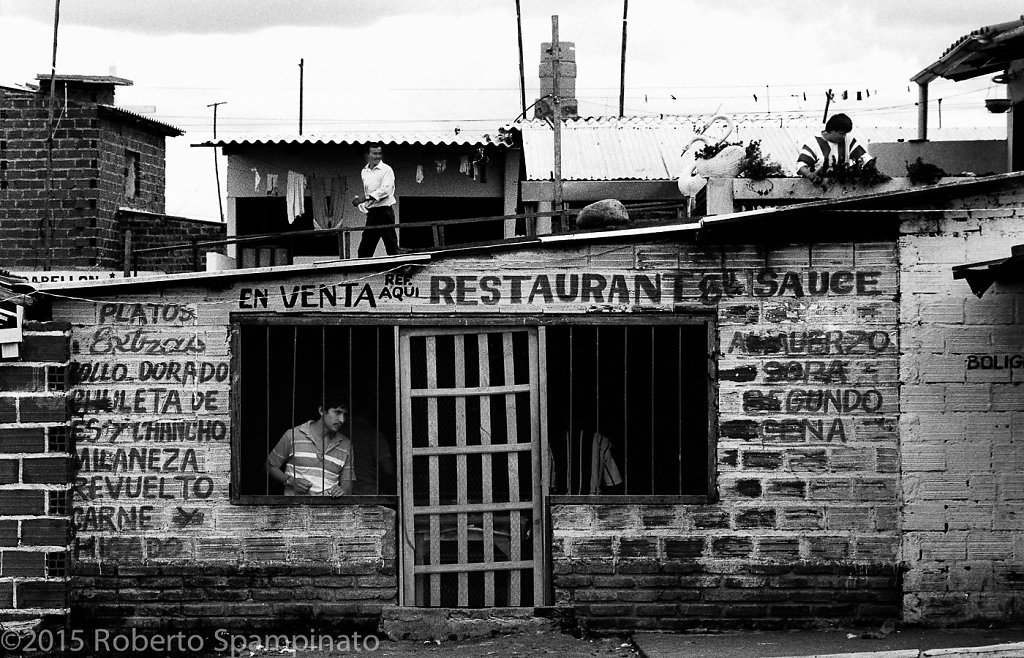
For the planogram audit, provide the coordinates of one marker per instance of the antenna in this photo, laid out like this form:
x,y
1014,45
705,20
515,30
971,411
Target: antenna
x,y
216,164
302,62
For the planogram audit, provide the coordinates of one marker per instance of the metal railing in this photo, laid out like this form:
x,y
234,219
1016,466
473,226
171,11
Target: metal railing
x,y
561,221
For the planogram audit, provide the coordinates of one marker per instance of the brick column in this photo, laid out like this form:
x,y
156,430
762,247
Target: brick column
x,y
35,476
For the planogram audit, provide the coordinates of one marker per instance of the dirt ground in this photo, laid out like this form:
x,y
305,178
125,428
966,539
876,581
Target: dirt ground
x,y
542,643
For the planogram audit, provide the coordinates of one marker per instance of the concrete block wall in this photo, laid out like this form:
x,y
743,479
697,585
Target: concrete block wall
x,y
35,474
962,423
159,543
805,527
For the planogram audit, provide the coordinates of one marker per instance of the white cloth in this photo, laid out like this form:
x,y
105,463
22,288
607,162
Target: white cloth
x,y
379,185
464,165
295,195
419,173
271,183
256,185
604,472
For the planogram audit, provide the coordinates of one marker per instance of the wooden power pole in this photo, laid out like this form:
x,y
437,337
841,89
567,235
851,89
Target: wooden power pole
x,y
556,106
48,183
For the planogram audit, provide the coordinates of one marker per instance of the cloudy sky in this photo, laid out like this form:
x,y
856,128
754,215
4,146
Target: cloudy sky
x,y
390,62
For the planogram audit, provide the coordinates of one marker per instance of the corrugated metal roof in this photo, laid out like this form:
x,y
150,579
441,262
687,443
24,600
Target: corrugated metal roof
x,y
988,49
648,148
460,137
164,128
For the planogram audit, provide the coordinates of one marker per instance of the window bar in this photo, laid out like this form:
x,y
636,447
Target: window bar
x,y
485,439
323,391
512,460
376,409
433,462
568,430
679,393
266,423
463,483
295,358
653,423
625,410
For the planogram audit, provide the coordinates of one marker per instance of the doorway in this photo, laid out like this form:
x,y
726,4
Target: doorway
x,y
471,506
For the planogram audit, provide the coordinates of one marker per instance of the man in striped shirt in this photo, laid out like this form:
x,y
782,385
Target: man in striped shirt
x,y
315,458
835,145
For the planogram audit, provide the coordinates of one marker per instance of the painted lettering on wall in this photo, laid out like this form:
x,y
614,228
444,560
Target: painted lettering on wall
x,y
798,400
797,430
95,430
816,342
178,372
396,287
143,400
166,314
995,361
111,341
587,288
794,283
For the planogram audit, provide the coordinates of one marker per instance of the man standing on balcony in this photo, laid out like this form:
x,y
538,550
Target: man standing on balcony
x,y
378,204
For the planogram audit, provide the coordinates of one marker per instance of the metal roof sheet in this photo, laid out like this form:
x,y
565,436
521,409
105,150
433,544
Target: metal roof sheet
x,y
649,148
460,137
164,128
988,49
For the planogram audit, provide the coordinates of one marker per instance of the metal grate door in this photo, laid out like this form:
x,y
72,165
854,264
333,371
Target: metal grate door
x,y
471,477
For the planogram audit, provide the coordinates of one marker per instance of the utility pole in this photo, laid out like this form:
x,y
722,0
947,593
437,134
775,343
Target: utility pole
x,y
522,71
622,73
301,67
216,164
48,191
556,106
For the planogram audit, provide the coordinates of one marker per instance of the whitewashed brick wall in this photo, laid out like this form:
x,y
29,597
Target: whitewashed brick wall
x,y
961,428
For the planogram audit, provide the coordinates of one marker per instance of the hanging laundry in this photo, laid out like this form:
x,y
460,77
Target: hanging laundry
x,y
464,165
419,173
272,184
295,195
440,166
604,472
319,187
256,185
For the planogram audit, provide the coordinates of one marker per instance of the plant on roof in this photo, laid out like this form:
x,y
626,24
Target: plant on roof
x,y
709,151
857,173
758,167
924,173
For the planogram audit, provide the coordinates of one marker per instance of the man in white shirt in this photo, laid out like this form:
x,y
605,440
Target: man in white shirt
x,y
378,204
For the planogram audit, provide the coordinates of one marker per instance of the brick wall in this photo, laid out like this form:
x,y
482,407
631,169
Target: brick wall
x,y
159,543
962,425
23,117
35,471
154,231
805,527
89,160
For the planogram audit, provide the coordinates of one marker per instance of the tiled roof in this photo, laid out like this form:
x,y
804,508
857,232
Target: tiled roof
x,y
649,148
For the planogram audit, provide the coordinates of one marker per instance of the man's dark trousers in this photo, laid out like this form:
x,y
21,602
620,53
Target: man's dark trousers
x,y
377,217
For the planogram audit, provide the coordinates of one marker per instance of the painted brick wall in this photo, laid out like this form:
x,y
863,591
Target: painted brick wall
x,y
962,426
35,472
805,528
158,543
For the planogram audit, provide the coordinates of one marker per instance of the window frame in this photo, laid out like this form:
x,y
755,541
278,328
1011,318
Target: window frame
x,y
398,320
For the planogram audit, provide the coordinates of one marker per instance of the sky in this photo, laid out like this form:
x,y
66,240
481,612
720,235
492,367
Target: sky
x,y
390,63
